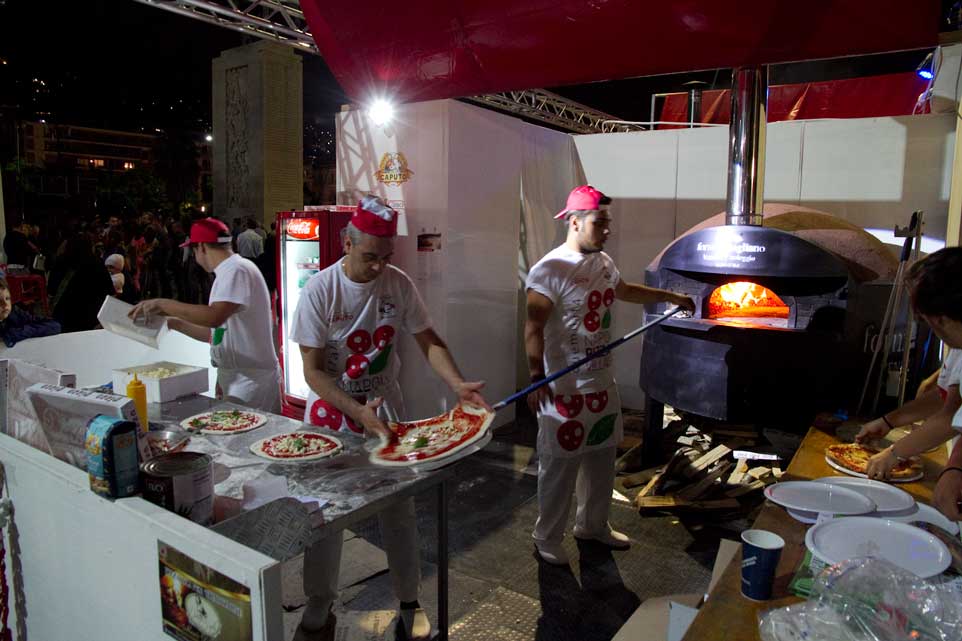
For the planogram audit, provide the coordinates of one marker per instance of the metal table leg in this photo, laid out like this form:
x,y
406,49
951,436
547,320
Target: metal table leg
x,y
442,561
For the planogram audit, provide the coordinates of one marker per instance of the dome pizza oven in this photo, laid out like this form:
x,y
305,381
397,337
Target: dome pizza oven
x,y
781,314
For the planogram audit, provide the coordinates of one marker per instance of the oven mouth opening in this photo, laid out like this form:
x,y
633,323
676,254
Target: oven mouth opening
x,y
747,301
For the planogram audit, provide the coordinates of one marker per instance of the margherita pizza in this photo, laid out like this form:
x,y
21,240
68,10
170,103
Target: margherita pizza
x,y
299,446
434,438
224,422
853,459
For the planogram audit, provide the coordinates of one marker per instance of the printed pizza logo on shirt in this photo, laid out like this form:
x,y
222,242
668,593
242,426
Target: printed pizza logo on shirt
x,y
369,356
303,228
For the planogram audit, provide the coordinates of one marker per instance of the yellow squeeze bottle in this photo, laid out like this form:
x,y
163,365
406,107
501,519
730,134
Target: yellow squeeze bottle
x,y
138,391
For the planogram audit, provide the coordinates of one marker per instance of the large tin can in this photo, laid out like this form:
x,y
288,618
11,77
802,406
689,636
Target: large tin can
x,y
183,483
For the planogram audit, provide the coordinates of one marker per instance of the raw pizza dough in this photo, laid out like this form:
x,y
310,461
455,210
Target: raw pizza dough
x,y
434,439
853,459
299,446
233,421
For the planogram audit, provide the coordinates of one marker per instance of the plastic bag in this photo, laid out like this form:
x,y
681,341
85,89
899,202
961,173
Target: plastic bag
x,y
869,599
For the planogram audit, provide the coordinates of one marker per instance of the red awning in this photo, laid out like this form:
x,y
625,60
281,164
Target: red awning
x,y
894,94
427,49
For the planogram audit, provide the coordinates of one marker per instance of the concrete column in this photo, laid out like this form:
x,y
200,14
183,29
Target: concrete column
x,y
258,157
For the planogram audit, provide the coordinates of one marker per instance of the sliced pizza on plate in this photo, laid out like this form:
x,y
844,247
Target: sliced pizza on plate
x,y
297,446
435,438
853,459
227,421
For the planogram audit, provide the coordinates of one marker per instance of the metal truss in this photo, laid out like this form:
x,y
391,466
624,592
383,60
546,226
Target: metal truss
x,y
554,110
278,20
283,21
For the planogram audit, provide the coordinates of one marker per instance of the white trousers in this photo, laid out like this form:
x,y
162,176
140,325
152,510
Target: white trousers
x,y
591,476
399,534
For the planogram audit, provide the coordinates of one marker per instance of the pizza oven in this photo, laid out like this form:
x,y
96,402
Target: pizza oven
x,y
774,334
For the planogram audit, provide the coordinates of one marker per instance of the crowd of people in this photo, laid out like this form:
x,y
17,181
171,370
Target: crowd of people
x,y
133,257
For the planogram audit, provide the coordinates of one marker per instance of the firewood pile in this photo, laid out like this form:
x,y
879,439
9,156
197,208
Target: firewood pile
x,y
703,473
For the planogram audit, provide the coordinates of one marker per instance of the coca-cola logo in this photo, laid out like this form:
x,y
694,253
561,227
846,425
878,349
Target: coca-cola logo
x,y
303,228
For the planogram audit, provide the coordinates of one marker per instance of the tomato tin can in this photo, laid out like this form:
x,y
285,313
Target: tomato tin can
x,y
181,482
112,456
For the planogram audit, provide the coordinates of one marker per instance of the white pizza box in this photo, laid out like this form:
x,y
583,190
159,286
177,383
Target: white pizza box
x,y
16,412
188,380
64,412
113,317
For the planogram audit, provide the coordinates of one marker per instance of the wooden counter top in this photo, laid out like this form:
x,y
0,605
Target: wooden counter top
x,y
729,616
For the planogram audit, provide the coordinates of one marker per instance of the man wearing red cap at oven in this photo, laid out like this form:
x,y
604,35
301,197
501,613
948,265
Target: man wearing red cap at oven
x,y
236,321
570,294
348,322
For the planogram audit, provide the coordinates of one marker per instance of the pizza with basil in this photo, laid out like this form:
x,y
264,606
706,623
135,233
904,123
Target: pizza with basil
x,y
434,438
853,459
224,422
297,446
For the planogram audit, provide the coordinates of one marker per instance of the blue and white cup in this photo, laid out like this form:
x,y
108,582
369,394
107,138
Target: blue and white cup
x,y
761,550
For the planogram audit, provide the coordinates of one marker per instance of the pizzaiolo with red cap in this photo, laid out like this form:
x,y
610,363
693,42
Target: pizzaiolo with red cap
x,y
571,292
348,324
236,322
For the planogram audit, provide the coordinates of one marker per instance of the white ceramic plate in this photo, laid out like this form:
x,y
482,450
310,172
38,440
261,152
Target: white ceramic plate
x,y
809,496
908,547
803,516
926,514
862,476
887,498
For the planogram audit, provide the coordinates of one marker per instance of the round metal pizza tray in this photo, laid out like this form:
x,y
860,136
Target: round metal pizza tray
x,y
838,467
888,498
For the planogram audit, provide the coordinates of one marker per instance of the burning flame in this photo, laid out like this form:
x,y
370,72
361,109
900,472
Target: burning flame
x,y
741,299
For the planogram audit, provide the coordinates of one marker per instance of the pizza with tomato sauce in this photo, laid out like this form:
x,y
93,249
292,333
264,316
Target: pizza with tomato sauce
x,y
853,459
297,446
228,421
434,438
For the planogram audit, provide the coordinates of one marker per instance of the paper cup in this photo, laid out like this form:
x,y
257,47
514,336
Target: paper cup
x,y
761,550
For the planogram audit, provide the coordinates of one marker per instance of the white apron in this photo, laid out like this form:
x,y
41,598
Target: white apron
x,y
256,388
577,423
321,413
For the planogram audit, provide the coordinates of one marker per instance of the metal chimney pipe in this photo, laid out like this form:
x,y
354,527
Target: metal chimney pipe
x,y
746,146
694,101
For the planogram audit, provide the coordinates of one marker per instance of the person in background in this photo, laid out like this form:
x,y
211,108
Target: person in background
x,y
236,322
250,244
115,265
18,247
17,324
79,283
570,294
936,293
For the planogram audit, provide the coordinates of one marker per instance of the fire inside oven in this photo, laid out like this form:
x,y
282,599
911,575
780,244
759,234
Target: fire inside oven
x,y
748,301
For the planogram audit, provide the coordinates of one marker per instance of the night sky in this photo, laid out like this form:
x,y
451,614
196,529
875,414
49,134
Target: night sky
x,y
124,65
120,64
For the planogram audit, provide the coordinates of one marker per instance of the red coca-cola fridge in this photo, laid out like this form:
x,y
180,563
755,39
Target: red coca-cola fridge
x,y
307,242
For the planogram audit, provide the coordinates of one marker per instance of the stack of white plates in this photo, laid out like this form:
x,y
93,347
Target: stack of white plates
x,y
908,547
805,500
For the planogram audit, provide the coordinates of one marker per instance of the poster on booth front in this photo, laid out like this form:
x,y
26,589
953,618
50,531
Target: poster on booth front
x,y
199,603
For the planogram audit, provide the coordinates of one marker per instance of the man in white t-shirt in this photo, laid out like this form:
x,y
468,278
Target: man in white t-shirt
x,y
348,322
570,293
250,244
236,321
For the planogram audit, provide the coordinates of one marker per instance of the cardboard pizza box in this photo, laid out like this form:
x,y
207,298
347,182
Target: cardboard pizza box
x,y
20,421
188,380
63,414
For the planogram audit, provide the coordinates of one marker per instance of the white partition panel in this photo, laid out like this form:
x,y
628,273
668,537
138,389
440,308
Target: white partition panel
x,y
87,568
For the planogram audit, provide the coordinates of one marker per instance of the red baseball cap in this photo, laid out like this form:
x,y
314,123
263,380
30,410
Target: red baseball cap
x,y
208,230
373,216
584,198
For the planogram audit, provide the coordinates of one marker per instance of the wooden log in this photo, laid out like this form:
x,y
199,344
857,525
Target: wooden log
x,y
674,502
745,489
706,461
738,473
658,480
639,478
695,490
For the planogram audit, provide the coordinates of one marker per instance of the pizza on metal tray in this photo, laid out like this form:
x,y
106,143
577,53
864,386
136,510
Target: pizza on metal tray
x,y
855,458
434,438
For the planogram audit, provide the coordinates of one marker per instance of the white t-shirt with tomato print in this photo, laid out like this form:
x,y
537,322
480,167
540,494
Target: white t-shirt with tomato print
x,y
582,289
358,324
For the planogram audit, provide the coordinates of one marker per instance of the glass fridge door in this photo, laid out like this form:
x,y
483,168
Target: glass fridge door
x,y
300,259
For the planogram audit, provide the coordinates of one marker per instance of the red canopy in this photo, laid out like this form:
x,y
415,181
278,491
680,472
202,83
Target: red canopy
x,y
426,49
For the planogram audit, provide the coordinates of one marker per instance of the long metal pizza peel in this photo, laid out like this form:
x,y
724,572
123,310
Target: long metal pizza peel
x,y
602,351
